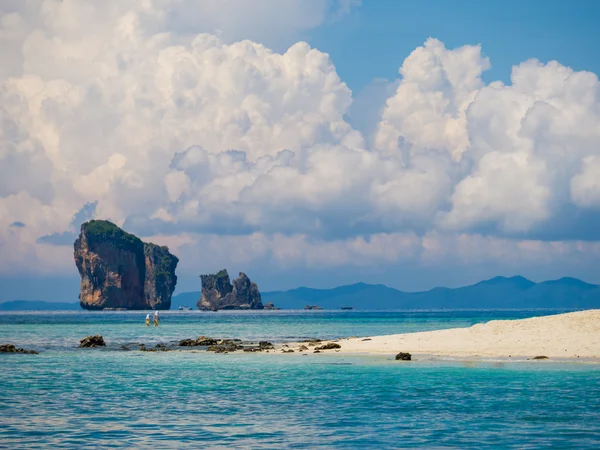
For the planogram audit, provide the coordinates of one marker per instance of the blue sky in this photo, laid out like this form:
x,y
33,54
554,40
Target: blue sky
x,y
368,43
304,143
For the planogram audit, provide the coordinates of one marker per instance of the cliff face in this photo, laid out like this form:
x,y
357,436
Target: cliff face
x,y
160,276
219,293
118,270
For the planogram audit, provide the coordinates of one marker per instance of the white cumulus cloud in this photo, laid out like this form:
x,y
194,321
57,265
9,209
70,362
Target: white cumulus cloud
x,y
163,117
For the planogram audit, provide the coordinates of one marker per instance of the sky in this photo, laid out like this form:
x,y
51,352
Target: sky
x,y
414,144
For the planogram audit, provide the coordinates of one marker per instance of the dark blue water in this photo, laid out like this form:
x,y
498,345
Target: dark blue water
x,y
69,398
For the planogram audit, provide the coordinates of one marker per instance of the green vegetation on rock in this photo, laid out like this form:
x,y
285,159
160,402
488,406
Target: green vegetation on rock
x,y
222,273
100,231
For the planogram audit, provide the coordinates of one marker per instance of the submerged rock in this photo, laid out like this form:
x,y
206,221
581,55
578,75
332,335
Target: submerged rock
x,y
403,356
92,341
157,348
219,293
540,357
119,271
10,348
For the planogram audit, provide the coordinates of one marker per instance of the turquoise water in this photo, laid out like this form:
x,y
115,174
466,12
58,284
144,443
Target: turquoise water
x,y
88,398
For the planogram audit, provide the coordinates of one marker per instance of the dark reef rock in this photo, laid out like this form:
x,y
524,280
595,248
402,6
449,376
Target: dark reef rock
x,y
403,356
225,346
329,346
540,357
201,340
265,345
157,348
92,341
253,349
119,271
219,293
10,348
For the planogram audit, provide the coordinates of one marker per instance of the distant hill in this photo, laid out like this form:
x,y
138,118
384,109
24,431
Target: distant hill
x,y
359,295
35,305
498,292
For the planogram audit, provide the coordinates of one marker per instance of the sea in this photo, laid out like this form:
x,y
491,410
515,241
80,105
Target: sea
x,y
66,397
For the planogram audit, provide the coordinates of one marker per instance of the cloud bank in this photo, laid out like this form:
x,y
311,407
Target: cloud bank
x,y
159,115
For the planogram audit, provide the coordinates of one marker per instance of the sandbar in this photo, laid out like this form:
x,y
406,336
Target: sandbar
x,y
568,335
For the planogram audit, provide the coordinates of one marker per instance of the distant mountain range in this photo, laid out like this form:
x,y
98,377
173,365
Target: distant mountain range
x,y
498,292
38,305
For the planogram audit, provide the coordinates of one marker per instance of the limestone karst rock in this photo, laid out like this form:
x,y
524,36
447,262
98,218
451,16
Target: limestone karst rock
x,y
219,293
118,270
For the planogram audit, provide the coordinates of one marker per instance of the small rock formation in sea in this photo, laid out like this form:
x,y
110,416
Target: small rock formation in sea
x,y
219,293
120,271
403,356
92,342
10,348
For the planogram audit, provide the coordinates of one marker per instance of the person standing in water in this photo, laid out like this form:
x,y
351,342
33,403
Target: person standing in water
x,y
156,318
148,319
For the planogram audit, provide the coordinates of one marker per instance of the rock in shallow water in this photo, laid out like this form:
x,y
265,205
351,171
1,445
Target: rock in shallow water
x,y
10,348
265,345
225,346
92,341
201,340
403,356
157,348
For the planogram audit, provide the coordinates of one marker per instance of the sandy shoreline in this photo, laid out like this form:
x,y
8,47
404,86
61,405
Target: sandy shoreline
x,y
570,335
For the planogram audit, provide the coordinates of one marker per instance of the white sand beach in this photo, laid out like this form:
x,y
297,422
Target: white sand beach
x,y
569,335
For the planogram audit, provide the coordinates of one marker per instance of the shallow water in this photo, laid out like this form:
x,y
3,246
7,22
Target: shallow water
x,y
88,398
61,330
